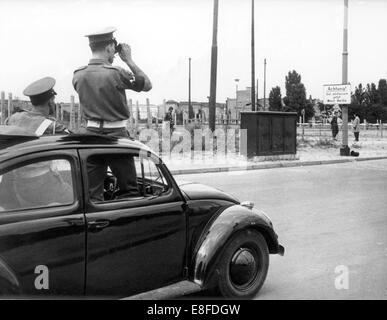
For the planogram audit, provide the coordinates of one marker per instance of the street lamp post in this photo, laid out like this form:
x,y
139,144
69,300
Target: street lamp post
x,y
214,60
264,85
190,111
252,58
344,150
256,97
236,99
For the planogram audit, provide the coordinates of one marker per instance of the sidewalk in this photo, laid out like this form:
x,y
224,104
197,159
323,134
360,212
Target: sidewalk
x,y
310,152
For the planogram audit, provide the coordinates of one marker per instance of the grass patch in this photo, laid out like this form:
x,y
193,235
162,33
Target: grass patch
x,y
323,143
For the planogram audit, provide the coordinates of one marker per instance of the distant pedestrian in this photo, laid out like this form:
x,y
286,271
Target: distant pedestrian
x,y
356,126
334,126
169,118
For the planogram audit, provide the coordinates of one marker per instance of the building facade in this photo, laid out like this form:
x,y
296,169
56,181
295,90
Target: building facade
x,y
242,102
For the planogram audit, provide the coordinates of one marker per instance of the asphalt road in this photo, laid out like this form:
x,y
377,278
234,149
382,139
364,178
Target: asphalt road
x,y
330,218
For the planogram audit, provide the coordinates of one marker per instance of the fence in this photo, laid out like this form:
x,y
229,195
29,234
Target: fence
x,y
70,114
323,131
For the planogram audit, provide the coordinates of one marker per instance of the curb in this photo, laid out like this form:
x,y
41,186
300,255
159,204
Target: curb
x,y
273,165
175,291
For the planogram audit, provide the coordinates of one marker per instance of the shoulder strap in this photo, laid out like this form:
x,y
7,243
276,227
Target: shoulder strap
x,y
111,67
43,127
79,69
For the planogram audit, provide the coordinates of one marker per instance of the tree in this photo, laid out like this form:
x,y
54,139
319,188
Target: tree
x,y
376,112
370,104
309,109
295,99
358,109
373,94
360,95
382,90
275,99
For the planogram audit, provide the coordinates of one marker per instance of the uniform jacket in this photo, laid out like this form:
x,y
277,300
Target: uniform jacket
x,y
101,89
36,122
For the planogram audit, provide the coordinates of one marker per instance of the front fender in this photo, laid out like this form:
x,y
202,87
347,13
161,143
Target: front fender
x,y
218,232
9,284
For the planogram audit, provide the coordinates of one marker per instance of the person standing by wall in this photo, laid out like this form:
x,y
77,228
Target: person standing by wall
x,y
334,126
356,126
169,117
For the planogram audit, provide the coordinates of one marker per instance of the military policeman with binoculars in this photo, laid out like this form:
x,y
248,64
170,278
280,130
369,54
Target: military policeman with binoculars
x,y
101,86
101,89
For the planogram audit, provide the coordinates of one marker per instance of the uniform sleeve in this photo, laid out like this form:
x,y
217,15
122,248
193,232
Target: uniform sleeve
x,y
59,128
76,75
131,81
74,83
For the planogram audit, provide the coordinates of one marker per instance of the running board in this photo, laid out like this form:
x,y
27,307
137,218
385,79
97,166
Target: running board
x,y
172,291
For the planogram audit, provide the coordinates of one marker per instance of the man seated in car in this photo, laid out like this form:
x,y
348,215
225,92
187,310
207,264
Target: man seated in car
x,y
33,186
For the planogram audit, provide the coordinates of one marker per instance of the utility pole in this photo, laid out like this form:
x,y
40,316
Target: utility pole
x,y
137,116
79,119
2,108
264,85
131,117
190,110
149,114
252,59
257,96
236,100
61,113
72,115
344,150
214,61
9,105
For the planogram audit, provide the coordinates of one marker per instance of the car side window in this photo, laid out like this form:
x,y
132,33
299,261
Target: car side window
x,y
40,184
114,177
154,182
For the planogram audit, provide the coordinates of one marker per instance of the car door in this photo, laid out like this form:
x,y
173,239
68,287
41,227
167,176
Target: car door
x,y
134,244
42,225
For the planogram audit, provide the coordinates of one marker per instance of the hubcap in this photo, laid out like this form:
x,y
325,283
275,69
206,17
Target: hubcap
x,y
243,267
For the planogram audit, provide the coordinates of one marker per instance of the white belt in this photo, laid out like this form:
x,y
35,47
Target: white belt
x,y
107,124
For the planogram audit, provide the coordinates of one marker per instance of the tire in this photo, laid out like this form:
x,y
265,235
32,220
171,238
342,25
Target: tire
x,y
236,278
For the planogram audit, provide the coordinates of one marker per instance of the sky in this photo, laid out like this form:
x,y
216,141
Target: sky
x,y
41,38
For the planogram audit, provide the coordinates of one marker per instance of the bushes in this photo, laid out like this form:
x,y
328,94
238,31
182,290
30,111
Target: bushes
x,y
370,113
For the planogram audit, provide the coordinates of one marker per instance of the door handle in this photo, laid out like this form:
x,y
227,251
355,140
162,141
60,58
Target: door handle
x,y
98,225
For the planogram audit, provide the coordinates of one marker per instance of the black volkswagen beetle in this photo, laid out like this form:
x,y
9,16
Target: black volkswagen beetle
x,y
56,240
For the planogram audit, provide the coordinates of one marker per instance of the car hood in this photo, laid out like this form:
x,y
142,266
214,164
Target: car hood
x,y
198,191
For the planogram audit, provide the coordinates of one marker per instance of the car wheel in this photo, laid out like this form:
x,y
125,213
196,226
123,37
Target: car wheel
x,y
243,265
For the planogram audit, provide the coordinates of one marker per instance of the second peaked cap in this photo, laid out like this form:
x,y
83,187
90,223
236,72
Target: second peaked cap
x,y
102,35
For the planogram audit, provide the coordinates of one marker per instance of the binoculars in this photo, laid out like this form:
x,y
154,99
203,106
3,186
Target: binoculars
x,y
117,45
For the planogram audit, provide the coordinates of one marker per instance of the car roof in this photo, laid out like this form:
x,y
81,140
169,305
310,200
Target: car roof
x,y
15,146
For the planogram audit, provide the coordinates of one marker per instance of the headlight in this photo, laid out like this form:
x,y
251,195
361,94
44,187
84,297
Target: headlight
x,y
248,204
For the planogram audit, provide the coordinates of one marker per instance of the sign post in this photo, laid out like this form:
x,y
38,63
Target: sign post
x,y
337,94
344,150
340,94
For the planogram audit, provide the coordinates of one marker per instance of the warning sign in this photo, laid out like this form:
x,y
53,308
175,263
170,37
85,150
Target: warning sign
x,y
337,94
